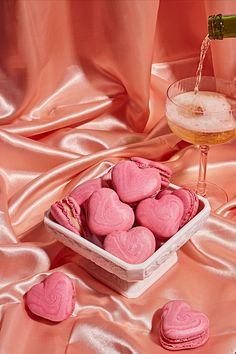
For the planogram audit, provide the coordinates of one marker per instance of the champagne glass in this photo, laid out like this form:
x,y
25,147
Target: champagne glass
x,y
204,117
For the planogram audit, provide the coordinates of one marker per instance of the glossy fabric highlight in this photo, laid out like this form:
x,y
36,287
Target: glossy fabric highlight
x,y
82,86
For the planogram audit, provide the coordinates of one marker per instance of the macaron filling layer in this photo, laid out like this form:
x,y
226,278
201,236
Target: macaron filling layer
x,y
72,216
67,211
184,343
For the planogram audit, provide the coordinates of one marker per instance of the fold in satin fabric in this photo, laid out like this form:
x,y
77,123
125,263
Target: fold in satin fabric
x,y
82,86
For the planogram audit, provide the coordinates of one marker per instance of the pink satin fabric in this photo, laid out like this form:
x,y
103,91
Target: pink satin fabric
x,y
83,85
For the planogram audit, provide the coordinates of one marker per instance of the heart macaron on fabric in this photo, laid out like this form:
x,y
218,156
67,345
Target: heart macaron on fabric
x,y
53,298
132,183
181,327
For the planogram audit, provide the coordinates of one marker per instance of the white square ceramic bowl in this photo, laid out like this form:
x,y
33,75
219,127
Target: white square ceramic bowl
x,y
129,279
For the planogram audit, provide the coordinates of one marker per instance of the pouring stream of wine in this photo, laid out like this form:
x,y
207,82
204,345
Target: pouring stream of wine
x,y
204,48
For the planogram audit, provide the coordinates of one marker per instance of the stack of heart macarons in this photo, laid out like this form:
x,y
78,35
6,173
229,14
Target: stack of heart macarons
x,y
181,327
130,211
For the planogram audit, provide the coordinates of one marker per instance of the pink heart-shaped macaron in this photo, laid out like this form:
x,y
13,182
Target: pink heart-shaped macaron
x,y
53,299
182,327
161,216
106,213
133,246
68,214
190,202
133,183
165,171
84,190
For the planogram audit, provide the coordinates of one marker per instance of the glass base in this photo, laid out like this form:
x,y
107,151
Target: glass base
x,y
215,195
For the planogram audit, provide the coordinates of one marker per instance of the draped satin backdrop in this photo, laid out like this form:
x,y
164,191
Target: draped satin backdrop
x,y
83,85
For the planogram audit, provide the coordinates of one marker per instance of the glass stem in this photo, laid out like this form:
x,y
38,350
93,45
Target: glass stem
x,y
201,184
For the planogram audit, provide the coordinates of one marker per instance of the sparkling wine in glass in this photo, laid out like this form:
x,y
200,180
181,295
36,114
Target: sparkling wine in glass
x,y
204,117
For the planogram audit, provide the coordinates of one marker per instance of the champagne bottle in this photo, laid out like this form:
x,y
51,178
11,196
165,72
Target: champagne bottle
x,y
221,26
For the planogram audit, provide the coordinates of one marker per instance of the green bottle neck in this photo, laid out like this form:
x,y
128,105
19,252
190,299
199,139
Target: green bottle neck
x,y
221,26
